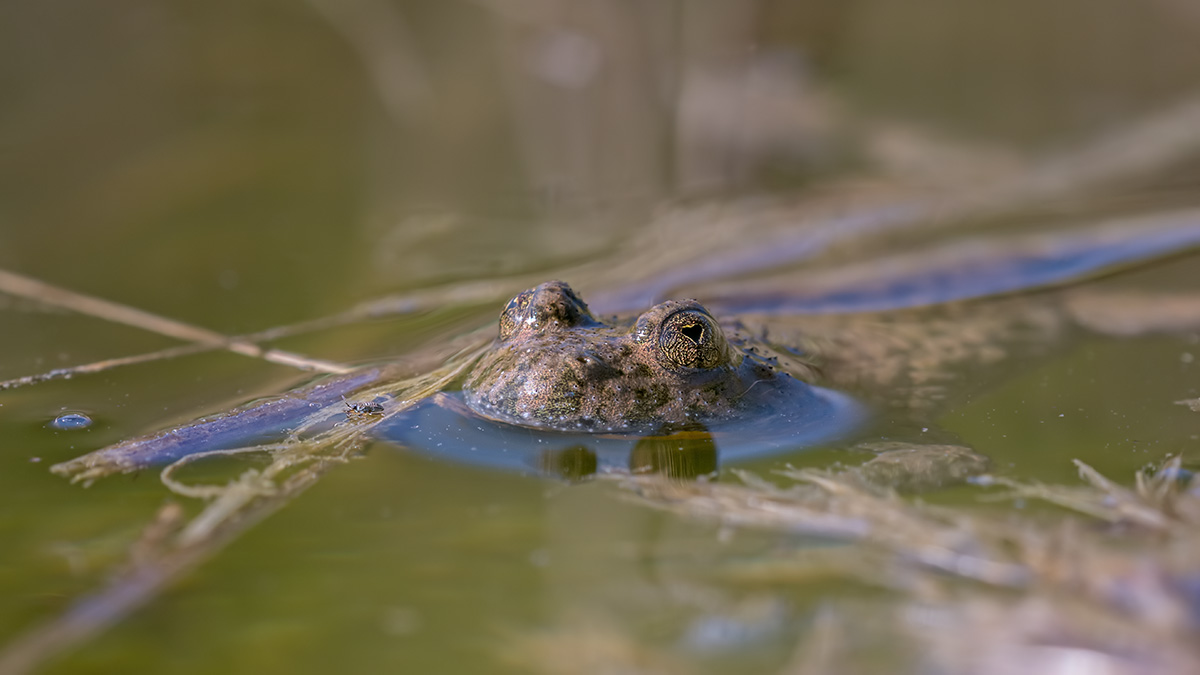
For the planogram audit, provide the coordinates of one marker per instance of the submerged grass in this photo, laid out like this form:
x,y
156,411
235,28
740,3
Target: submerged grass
x,y
172,544
1109,583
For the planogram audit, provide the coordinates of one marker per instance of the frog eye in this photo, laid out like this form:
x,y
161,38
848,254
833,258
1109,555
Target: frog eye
x,y
514,314
691,339
552,306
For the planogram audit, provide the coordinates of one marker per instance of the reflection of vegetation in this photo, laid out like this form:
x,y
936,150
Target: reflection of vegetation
x,y
972,590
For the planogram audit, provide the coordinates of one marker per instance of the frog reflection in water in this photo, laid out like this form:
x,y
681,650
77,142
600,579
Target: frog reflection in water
x,y
555,366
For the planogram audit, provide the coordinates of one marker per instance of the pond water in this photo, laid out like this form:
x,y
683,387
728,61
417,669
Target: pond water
x,y
246,165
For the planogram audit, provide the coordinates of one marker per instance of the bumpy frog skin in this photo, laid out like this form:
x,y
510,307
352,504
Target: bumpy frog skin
x,y
555,366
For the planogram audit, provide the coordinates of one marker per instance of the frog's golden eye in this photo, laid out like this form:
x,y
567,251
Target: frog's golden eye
x,y
691,339
514,313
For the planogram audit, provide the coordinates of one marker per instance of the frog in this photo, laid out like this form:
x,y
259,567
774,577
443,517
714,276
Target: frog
x,y
554,365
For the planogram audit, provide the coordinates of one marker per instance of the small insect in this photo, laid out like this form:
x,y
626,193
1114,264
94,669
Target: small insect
x,y
362,408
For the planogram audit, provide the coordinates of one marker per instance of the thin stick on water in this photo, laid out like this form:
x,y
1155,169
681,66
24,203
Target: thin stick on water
x,y
33,289
393,305
57,296
105,364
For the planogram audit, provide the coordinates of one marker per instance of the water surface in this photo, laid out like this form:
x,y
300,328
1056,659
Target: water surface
x,y
242,166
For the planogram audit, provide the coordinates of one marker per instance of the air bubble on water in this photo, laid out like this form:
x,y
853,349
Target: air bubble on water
x,y
70,421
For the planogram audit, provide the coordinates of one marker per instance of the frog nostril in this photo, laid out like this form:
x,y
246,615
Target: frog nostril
x,y
582,359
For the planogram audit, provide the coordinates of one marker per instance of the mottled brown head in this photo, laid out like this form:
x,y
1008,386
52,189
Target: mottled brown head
x,y
556,366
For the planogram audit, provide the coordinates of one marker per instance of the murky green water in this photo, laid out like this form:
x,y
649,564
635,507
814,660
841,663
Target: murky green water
x,y
245,165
